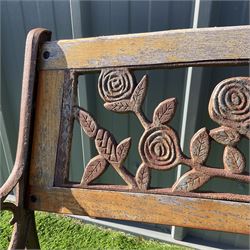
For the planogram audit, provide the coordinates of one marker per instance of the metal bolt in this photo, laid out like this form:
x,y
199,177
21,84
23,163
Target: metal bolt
x,y
33,198
46,54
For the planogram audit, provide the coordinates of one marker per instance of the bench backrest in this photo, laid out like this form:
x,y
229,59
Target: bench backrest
x,y
58,65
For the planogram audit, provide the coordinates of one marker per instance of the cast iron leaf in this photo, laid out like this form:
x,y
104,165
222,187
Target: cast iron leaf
x,y
94,169
199,146
106,145
139,93
165,111
225,135
234,161
118,106
122,149
190,181
87,123
143,177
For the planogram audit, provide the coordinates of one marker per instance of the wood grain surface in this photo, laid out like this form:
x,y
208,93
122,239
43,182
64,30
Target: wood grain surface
x,y
46,127
160,209
225,45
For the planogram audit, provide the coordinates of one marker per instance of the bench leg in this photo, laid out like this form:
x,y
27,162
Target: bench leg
x,y
32,240
24,234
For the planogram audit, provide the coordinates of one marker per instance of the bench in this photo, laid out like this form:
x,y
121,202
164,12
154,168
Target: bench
x,y
49,109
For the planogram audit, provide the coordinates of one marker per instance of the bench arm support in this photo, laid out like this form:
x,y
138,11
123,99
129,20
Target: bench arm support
x,y
23,220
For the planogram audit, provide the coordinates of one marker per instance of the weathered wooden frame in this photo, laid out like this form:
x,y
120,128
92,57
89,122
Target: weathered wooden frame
x,y
46,73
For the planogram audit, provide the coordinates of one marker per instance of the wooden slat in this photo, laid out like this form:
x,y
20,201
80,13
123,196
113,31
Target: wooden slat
x,y
178,47
46,127
160,209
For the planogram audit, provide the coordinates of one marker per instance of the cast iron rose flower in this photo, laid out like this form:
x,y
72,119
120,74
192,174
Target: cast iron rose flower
x,y
230,104
159,148
115,85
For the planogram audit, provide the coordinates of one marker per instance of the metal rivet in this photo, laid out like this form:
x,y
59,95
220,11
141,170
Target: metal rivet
x,y
33,198
46,54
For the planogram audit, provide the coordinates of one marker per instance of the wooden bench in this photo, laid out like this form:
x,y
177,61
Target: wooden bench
x,y
49,110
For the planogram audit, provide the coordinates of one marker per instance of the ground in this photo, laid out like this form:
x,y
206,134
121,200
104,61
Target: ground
x,y
59,232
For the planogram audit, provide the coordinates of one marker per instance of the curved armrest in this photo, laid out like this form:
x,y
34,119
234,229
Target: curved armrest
x,y
34,39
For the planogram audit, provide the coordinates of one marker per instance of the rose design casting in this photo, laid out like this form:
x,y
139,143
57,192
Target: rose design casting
x,y
159,145
230,104
115,85
159,148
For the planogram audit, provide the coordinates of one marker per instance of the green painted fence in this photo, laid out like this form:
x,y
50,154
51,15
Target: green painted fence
x,y
192,86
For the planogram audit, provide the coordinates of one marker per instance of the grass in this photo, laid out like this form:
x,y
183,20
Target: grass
x,y
59,232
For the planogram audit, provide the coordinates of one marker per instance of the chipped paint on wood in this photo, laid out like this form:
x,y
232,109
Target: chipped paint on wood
x,y
156,48
151,208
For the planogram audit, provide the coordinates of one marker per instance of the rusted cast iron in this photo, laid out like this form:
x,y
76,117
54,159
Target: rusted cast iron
x,y
24,233
66,128
159,146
